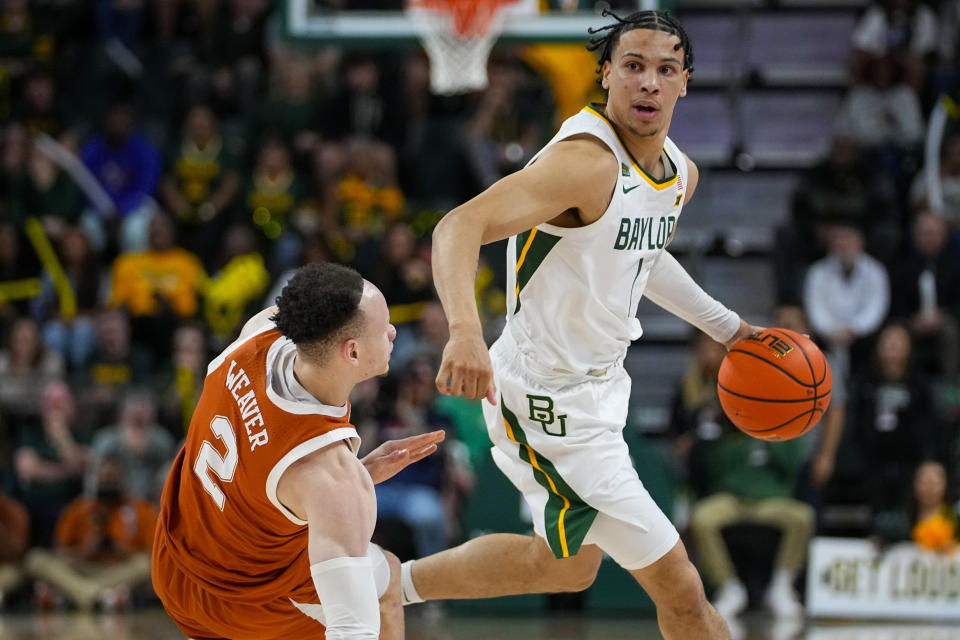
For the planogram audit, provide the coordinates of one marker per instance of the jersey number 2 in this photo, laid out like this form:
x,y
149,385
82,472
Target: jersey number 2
x,y
210,459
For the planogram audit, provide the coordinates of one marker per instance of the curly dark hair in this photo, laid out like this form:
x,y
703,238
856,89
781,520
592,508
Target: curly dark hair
x,y
609,37
318,304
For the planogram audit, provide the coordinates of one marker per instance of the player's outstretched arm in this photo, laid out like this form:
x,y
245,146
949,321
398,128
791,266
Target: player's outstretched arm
x,y
576,174
673,289
333,492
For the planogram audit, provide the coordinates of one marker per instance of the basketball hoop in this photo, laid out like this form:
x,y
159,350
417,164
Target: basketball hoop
x,y
458,36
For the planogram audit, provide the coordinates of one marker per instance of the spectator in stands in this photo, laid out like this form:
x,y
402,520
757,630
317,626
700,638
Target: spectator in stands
x,y
696,415
846,296
14,538
291,112
949,183
841,189
403,274
44,191
39,108
50,459
236,55
906,29
428,340
21,41
896,428
508,124
142,446
240,280
367,201
930,517
424,496
73,335
128,167
157,287
363,109
927,298
25,366
116,364
190,359
200,183
276,201
882,112
102,544
751,481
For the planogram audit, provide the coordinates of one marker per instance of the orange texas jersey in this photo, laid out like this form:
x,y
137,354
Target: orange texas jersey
x,y
220,519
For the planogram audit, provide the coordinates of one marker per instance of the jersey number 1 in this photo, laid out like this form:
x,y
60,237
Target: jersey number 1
x,y
210,459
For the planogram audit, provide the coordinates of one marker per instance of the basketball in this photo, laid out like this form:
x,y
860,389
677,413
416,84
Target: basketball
x,y
775,385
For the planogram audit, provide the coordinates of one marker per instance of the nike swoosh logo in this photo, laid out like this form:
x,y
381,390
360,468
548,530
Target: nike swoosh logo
x,y
625,190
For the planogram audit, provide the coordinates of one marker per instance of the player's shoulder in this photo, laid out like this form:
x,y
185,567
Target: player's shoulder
x,y
583,151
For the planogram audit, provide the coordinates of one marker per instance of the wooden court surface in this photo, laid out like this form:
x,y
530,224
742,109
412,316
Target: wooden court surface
x,y
153,624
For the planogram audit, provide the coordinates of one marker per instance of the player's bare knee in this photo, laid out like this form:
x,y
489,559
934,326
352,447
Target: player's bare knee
x,y
572,574
685,596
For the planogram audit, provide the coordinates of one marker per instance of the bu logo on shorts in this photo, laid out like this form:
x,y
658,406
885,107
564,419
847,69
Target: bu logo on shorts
x,y
541,410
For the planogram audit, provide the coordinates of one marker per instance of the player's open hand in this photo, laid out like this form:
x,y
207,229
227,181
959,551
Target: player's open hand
x,y
466,370
393,456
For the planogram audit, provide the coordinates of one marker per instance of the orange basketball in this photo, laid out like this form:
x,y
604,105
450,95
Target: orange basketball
x,y
775,385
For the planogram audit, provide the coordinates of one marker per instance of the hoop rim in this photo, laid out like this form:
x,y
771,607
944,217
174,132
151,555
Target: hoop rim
x,y
470,18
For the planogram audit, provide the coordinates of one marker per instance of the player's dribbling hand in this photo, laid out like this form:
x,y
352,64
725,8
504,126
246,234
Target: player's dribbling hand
x,y
745,331
393,456
466,370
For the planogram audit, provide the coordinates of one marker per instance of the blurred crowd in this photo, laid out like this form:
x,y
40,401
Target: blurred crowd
x,y
166,164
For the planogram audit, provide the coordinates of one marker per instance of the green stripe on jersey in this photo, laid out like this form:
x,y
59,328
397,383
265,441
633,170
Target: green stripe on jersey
x,y
567,518
535,254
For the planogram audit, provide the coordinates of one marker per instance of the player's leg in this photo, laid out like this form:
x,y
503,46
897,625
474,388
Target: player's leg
x,y
683,612
391,607
498,565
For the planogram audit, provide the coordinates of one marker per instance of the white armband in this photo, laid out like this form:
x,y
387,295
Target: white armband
x,y
672,288
348,595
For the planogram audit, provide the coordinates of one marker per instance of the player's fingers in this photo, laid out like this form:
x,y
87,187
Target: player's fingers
x,y
424,439
455,384
492,393
470,386
422,453
443,379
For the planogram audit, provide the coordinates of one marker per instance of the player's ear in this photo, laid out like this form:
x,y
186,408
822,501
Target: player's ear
x,y
351,351
686,79
605,75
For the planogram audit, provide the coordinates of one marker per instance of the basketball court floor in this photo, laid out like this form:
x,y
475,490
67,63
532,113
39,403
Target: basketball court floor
x,y
153,624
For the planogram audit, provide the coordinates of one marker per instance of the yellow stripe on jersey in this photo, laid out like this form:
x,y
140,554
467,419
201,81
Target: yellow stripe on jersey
x,y
659,186
523,254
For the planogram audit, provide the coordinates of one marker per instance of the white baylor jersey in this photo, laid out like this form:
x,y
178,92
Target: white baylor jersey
x,y
572,293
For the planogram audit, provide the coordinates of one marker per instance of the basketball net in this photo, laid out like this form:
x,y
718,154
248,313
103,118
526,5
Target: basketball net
x,y
458,36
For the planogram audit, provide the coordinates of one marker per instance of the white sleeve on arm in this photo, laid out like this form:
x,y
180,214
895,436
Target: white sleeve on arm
x,y
348,595
672,288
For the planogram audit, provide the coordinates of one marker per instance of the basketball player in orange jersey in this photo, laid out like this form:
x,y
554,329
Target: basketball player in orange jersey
x,y
267,513
588,220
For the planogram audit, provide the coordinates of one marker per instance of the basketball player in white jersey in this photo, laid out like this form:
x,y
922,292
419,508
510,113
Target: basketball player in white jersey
x,y
588,220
